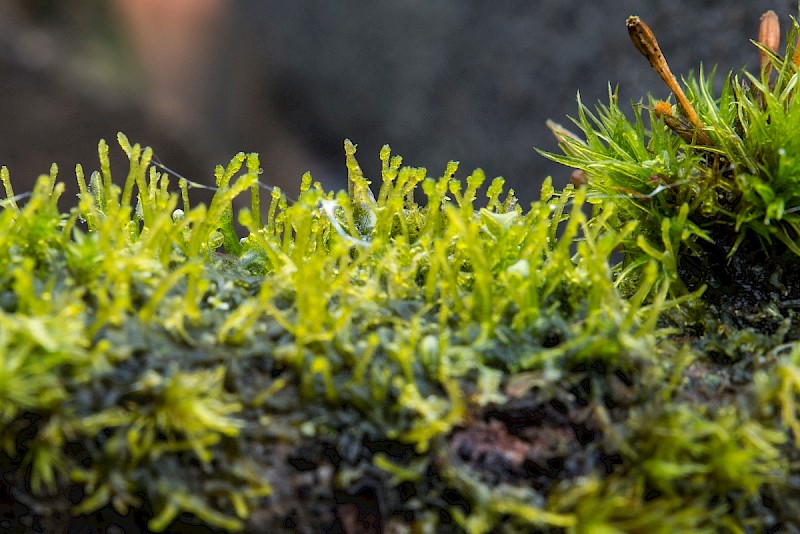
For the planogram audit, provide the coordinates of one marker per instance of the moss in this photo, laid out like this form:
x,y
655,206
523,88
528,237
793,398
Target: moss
x,y
454,364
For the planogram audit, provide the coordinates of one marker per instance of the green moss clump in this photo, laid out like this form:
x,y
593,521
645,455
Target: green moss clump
x,y
453,365
696,194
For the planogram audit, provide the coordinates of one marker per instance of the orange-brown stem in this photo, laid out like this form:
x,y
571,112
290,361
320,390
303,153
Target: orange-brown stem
x,y
680,126
645,42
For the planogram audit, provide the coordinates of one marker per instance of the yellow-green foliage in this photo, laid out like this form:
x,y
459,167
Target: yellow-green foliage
x,y
157,342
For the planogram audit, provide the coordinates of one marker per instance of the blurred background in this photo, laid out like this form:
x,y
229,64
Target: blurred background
x,y
438,80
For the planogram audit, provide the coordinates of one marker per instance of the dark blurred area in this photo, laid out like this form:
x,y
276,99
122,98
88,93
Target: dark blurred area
x,y
438,80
